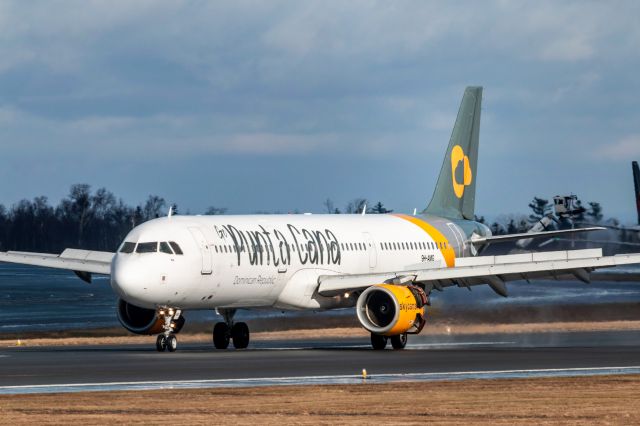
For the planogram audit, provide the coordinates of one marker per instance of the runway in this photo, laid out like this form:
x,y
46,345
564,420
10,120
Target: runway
x,y
63,369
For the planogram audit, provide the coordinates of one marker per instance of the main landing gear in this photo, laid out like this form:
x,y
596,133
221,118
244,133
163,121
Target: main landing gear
x,y
379,342
224,332
167,340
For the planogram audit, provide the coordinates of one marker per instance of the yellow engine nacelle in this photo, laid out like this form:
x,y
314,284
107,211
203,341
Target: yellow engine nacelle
x,y
390,310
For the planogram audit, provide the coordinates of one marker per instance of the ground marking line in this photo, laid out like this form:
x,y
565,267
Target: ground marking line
x,y
318,378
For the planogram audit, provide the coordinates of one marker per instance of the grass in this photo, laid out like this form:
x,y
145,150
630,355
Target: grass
x,y
580,400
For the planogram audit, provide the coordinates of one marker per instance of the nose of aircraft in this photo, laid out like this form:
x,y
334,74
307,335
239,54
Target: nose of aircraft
x,y
128,279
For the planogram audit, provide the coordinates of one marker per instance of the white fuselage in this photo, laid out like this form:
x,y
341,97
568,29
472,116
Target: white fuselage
x,y
274,260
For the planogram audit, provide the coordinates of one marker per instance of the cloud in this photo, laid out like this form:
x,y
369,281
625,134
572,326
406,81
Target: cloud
x,y
623,150
361,80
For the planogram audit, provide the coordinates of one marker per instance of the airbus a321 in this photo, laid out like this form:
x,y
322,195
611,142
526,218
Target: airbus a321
x,y
384,265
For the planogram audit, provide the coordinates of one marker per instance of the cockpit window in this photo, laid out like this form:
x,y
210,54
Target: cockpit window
x,y
147,247
164,248
127,247
176,248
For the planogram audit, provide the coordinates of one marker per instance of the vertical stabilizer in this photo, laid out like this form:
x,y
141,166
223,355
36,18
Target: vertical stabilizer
x,y
455,193
636,184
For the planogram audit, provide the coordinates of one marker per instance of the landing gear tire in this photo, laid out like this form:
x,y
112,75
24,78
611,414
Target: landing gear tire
x,y
172,343
221,335
161,343
378,342
399,341
240,335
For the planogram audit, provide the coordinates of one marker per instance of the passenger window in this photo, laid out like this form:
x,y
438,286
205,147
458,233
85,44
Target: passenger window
x,y
127,247
164,248
176,248
147,247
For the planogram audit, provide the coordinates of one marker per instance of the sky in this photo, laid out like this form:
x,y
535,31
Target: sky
x,y
279,105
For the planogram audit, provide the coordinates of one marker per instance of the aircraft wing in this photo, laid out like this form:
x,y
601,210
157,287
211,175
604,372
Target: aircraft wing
x,y
492,270
527,235
82,262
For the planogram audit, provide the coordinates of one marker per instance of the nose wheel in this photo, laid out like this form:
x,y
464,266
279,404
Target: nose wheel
x,y
167,340
161,343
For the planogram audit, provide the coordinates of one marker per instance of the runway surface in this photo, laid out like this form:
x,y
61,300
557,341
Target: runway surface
x,y
49,369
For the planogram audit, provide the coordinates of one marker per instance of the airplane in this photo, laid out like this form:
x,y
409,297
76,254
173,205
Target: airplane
x,y
386,266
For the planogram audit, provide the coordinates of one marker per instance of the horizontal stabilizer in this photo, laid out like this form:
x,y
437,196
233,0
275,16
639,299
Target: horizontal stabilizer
x,y
527,235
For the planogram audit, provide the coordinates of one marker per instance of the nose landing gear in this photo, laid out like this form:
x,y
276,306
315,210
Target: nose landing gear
x,y
227,331
167,340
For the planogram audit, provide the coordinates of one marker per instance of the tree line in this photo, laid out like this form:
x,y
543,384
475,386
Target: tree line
x,y
541,207
93,220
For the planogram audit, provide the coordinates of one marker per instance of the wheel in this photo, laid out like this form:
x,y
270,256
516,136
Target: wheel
x,y
221,335
378,342
161,343
399,341
172,343
240,335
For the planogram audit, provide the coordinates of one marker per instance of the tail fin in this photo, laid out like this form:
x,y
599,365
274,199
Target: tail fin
x,y
455,193
636,183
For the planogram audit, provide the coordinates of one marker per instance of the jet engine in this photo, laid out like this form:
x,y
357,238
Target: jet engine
x,y
145,321
390,310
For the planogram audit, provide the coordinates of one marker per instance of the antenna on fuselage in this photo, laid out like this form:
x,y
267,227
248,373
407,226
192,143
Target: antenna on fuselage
x,y
364,210
170,211
415,211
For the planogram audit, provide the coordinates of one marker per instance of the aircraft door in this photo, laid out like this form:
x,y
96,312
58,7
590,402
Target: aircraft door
x,y
205,250
371,248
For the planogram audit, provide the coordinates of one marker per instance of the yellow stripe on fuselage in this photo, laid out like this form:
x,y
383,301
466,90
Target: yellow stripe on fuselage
x,y
447,252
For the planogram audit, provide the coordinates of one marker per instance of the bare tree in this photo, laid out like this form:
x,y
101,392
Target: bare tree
x,y
153,207
356,205
329,206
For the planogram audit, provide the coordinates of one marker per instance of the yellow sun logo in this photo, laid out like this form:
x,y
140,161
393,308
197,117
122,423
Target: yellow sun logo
x,y
457,157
